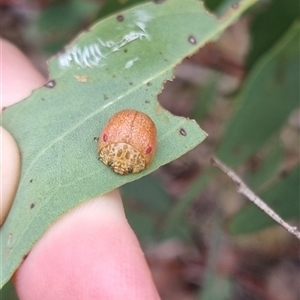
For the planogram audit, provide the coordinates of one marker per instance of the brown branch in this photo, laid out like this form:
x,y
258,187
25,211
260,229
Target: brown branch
x,y
246,191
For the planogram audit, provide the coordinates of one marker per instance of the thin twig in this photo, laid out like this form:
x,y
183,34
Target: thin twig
x,y
245,190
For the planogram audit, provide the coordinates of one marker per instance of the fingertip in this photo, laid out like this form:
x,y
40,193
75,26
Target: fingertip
x,y
10,172
91,253
19,77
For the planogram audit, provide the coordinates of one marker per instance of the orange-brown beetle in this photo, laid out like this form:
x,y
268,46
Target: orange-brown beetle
x,y
128,142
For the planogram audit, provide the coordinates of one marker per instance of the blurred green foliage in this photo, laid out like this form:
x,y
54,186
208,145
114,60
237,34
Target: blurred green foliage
x,y
113,6
283,196
271,21
8,292
265,101
60,21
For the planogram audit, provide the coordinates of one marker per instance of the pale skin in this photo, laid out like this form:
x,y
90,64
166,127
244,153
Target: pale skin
x,y
91,252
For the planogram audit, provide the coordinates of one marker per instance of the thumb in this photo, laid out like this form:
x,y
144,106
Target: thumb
x,y
15,86
10,170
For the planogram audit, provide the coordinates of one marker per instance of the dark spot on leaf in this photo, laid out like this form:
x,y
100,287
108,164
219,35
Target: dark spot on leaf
x,y
50,84
96,139
105,97
31,180
114,76
165,59
43,99
235,5
130,83
238,149
284,174
149,83
147,101
254,163
32,205
120,18
125,50
158,1
3,108
182,132
192,40
160,52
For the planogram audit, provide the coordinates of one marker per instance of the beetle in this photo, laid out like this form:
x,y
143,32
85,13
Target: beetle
x,y
128,142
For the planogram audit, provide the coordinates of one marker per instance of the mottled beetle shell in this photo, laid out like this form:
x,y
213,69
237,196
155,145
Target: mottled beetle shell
x,y
128,142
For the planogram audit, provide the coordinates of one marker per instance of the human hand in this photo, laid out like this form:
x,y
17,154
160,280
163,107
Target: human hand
x,y
91,252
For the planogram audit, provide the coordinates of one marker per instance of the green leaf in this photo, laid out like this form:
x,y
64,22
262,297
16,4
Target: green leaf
x,y
8,292
121,62
52,29
53,16
148,206
149,192
113,6
266,101
269,25
283,197
217,287
143,224
269,167
174,224
206,98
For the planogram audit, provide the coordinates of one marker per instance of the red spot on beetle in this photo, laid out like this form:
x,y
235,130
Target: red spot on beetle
x,y
105,137
148,150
